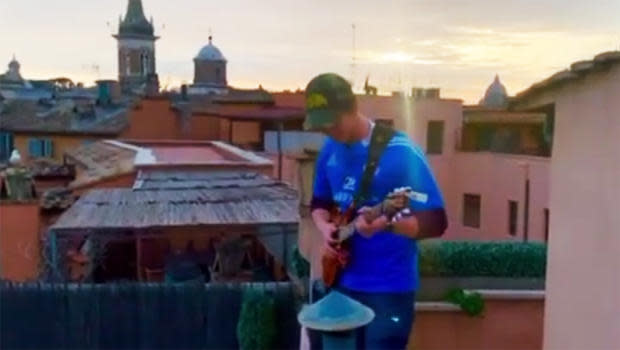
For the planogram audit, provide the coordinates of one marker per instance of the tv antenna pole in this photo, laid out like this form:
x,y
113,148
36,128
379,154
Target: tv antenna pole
x,y
353,63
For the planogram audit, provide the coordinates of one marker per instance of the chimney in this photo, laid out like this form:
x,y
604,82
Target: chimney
x,y
417,93
108,92
432,93
422,93
152,85
184,92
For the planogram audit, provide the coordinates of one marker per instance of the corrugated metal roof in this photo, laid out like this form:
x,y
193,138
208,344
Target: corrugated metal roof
x,y
162,199
197,179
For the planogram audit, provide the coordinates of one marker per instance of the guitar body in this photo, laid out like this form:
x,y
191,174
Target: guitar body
x,y
334,264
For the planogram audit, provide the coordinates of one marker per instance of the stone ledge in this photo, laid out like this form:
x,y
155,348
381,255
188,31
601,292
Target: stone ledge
x,y
510,294
436,306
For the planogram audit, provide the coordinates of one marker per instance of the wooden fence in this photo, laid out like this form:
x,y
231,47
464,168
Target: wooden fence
x,y
134,316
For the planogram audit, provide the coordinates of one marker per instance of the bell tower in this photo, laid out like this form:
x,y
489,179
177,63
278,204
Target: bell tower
x,y
136,52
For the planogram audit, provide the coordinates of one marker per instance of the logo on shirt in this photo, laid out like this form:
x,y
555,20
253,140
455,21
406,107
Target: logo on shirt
x,y
349,183
332,160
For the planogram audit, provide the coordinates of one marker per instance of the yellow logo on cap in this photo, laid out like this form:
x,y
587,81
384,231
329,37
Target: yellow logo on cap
x,y
316,100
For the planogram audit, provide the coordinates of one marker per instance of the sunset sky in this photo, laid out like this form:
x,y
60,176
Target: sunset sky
x,y
457,45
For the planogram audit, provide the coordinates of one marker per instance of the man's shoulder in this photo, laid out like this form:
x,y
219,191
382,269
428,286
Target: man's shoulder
x,y
328,145
401,144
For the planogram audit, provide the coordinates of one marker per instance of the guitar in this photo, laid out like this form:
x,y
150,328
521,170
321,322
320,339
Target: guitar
x,y
395,203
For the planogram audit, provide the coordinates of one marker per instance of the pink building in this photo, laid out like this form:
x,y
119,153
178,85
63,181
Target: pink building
x,y
582,310
488,185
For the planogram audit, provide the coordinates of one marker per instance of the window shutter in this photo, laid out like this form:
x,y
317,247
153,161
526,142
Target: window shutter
x,y
11,142
5,151
40,145
33,147
48,148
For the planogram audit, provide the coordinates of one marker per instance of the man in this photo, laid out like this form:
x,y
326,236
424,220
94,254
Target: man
x,y
382,272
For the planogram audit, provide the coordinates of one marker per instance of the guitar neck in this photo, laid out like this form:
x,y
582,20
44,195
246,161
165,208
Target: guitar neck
x,y
347,230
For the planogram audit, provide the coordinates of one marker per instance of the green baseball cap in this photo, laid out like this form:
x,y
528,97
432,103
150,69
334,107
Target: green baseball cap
x,y
327,97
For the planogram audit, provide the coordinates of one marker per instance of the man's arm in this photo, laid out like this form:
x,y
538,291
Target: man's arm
x,y
423,224
322,201
428,217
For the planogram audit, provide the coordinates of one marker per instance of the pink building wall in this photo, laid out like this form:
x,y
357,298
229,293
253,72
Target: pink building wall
x,y
583,269
496,177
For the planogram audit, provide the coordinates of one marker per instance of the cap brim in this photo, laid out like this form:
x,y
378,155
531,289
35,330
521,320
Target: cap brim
x,y
319,119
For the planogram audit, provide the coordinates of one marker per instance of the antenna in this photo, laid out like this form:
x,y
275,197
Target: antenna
x,y
353,56
92,69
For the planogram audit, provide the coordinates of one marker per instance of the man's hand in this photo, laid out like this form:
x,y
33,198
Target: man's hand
x,y
368,226
327,229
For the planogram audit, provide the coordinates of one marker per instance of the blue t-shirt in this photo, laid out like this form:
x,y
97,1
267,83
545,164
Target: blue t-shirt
x,y
385,262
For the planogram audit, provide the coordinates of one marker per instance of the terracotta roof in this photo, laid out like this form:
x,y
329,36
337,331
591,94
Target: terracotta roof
x,y
160,199
236,96
100,160
576,70
259,96
289,99
62,118
107,159
258,113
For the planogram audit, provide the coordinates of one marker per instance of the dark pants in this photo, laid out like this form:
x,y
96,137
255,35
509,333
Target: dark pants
x,y
390,329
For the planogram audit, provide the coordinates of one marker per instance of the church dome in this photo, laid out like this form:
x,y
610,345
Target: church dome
x,y
12,75
495,96
210,53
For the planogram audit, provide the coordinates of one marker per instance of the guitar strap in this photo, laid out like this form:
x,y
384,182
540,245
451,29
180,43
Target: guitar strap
x,y
381,136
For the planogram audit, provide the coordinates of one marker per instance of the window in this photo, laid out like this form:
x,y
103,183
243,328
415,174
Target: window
x,y
546,211
218,73
144,63
434,137
40,148
471,210
6,145
513,208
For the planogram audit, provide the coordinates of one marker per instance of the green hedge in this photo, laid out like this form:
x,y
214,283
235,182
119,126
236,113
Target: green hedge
x,y
299,265
482,259
256,329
